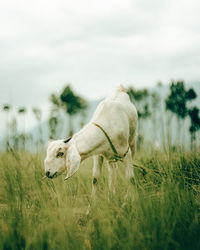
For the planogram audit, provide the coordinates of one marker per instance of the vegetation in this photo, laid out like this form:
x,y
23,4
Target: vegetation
x,y
195,124
38,116
151,114
72,104
6,108
161,211
177,101
56,106
140,98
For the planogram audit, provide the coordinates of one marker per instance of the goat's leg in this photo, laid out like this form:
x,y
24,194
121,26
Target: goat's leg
x,y
112,176
129,174
129,167
133,147
98,162
96,172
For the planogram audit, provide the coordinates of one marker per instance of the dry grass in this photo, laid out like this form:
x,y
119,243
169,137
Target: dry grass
x,y
161,211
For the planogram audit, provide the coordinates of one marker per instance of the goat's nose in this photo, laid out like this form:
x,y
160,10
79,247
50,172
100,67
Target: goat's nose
x,y
47,173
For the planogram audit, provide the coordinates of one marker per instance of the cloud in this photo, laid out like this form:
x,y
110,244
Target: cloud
x,y
95,45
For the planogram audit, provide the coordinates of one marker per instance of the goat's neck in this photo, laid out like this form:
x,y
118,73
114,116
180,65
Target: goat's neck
x,y
89,141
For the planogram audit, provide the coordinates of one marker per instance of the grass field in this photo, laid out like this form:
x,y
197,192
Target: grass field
x,y
161,211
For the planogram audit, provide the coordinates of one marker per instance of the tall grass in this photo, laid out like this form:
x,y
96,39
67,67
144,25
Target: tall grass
x,y
161,211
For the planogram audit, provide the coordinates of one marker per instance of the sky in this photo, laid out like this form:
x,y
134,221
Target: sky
x,y
95,46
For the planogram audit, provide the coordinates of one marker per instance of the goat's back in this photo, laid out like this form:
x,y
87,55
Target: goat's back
x,y
118,116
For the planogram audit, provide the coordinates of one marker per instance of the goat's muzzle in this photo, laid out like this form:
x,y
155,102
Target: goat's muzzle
x,y
48,174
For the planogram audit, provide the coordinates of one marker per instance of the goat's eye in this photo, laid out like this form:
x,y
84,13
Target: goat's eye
x,y
59,154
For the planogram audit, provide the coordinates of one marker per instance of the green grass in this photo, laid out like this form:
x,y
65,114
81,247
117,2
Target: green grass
x,y
161,211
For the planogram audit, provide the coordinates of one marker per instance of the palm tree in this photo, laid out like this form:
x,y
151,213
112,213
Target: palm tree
x,y
155,102
22,111
72,104
195,125
140,98
54,118
38,115
177,100
6,108
53,122
13,133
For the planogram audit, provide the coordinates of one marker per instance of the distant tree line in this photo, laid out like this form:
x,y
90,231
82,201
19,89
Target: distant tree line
x,y
149,105
69,102
15,138
177,103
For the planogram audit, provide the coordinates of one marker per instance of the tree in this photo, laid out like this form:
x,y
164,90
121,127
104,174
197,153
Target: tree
x,y
141,100
22,111
13,133
159,84
72,104
55,100
6,108
155,102
54,117
53,122
195,124
177,100
38,115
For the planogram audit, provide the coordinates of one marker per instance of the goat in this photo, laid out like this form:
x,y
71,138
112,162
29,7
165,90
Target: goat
x,y
111,134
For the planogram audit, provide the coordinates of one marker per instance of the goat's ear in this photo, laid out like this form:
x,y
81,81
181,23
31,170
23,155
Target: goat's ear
x,y
73,160
67,140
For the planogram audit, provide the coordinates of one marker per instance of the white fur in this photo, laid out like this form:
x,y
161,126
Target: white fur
x,y
118,117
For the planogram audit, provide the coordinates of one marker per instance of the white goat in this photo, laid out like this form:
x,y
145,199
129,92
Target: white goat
x,y
110,134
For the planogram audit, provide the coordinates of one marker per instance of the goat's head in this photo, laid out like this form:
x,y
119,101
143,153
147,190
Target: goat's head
x,y
62,156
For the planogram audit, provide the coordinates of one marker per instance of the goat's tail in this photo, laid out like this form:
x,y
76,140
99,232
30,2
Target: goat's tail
x,y
121,88
114,95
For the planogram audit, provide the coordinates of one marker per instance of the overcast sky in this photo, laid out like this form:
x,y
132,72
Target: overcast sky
x,y
94,45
